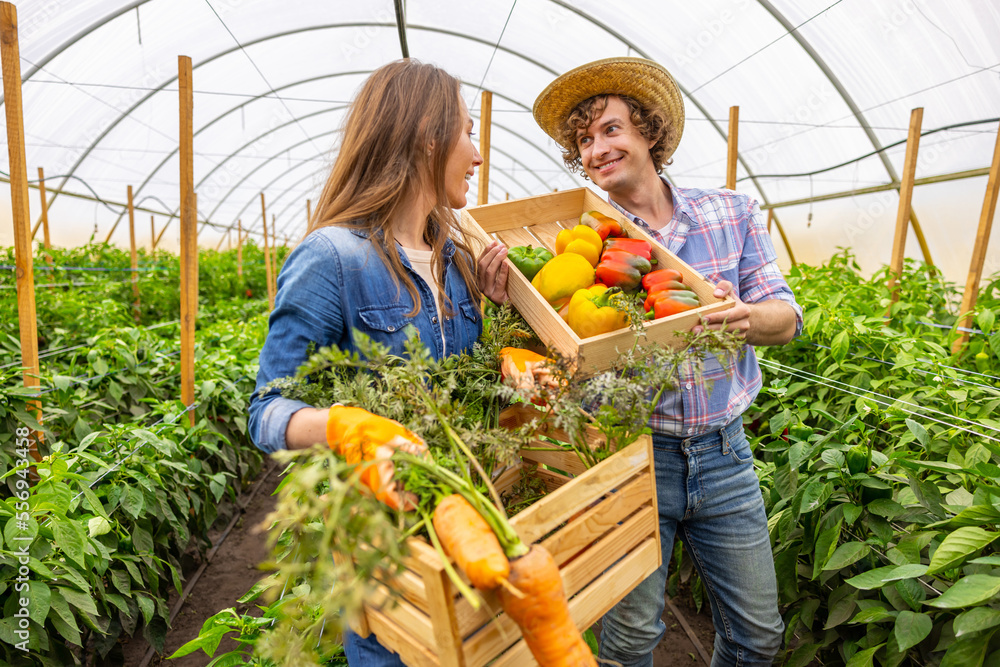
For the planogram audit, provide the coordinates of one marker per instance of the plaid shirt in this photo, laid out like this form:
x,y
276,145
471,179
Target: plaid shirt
x,y
722,235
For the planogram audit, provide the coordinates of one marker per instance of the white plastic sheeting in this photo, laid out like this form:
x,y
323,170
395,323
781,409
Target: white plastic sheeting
x,y
818,82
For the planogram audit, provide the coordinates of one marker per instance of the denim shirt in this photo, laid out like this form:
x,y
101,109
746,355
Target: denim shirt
x,y
333,283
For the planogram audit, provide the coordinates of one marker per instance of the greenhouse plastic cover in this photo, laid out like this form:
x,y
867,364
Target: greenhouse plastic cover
x,y
818,83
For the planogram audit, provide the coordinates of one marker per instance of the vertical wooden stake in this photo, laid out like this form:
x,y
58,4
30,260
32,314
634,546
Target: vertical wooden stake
x,y
133,255
905,201
267,253
770,217
919,233
485,114
979,249
45,209
189,233
309,212
734,142
10,55
152,233
274,248
239,248
788,246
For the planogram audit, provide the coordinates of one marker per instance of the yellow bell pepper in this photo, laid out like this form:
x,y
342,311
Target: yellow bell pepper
x,y
592,312
561,276
581,240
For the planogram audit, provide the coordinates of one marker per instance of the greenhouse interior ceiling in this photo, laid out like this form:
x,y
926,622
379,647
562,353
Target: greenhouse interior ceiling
x,y
825,91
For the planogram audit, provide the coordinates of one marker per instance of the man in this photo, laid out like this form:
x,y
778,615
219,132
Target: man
x,y
618,121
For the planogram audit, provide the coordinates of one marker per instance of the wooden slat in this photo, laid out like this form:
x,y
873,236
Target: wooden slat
x,y
486,112
733,144
447,640
605,551
540,518
557,458
979,248
239,248
24,272
393,636
189,232
518,415
597,599
546,233
523,212
412,620
905,201
599,519
152,233
516,237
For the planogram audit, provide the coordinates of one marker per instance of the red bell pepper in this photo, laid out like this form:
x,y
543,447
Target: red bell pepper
x,y
633,246
660,275
622,269
604,225
659,289
671,302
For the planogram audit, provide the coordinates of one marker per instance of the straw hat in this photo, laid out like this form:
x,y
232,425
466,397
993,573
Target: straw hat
x,y
643,80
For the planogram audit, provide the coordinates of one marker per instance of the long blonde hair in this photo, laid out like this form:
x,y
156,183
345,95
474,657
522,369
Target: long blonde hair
x,y
401,109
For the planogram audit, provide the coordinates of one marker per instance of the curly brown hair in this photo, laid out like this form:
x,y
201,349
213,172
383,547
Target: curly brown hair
x,y
653,124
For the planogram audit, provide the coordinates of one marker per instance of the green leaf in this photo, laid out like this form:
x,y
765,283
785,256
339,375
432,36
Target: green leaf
x,y
985,560
846,554
968,591
69,537
851,513
974,515
98,526
886,507
976,619
985,319
871,579
957,545
826,543
146,607
873,615
909,571
911,629
206,641
39,600
918,431
864,658
132,501
967,651
81,601
814,494
840,345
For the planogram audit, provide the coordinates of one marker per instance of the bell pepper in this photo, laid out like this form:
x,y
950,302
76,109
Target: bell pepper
x,y
671,302
658,289
634,246
581,240
602,224
592,311
529,260
562,276
660,275
622,269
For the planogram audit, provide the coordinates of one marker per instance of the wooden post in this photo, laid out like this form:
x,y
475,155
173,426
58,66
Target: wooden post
x,y
274,248
152,234
788,246
485,114
979,249
45,210
919,233
239,248
770,217
133,255
267,253
10,54
905,201
163,230
189,233
309,212
734,124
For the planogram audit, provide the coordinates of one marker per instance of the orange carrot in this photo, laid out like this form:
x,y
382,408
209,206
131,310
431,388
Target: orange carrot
x,y
543,613
468,539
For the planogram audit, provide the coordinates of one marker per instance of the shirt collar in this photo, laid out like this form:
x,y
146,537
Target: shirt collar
x,y
681,205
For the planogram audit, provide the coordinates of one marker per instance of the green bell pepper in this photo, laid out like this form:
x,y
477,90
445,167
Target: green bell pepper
x,y
528,260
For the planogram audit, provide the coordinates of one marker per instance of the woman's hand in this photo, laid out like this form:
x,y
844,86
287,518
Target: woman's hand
x,y
492,272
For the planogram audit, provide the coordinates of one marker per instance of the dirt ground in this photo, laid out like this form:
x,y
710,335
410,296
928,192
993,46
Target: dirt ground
x,y
233,571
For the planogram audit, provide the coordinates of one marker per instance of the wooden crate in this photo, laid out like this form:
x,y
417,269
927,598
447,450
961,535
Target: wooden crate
x,y
537,221
600,525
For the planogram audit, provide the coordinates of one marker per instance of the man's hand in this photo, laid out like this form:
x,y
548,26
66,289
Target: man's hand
x,y
770,322
736,319
491,273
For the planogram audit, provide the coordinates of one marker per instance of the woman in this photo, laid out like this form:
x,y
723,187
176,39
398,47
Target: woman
x,y
383,251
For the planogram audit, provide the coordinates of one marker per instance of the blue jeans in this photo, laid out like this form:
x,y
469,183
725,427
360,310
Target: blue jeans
x,y
706,488
367,652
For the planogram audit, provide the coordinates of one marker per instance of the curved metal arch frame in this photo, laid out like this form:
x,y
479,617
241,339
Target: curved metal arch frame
x,y
504,172
294,120
259,40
